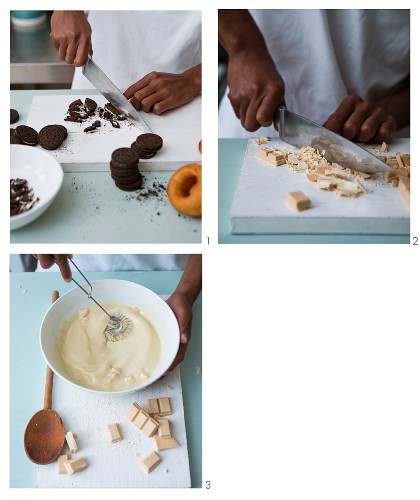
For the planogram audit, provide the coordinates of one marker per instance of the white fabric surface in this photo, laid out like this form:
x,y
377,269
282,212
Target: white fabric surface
x,y
128,45
126,262
325,55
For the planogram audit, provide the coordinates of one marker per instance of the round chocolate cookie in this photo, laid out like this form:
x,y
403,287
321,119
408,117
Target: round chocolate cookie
x,y
63,128
142,154
125,179
149,143
14,116
52,136
124,157
130,187
27,135
13,137
124,170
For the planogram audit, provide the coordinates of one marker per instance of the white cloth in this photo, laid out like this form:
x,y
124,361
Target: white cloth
x,y
128,45
125,262
326,55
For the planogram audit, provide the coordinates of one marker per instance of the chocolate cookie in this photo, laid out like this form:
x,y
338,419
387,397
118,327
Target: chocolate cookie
x,y
14,116
126,179
90,129
130,187
124,157
52,136
149,143
142,155
79,111
90,105
13,137
63,128
27,135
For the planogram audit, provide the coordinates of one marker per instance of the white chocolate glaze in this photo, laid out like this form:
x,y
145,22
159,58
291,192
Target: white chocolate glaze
x,y
88,359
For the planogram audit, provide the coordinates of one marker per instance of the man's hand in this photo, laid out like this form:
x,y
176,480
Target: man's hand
x,y
362,121
47,260
255,89
159,92
255,86
182,307
71,36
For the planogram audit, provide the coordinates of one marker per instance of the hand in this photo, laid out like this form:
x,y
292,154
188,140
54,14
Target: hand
x,y
362,121
47,260
255,89
181,305
71,36
159,92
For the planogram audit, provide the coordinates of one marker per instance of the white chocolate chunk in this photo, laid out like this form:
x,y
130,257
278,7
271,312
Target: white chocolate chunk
x,y
161,406
114,434
298,201
75,465
164,443
164,427
71,442
133,411
62,459
150,462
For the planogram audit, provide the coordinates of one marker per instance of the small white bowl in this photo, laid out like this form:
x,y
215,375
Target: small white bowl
x,y
152,306
44,175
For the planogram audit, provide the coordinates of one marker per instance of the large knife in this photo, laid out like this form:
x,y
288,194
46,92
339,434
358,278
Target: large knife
x,y
301,132
105,86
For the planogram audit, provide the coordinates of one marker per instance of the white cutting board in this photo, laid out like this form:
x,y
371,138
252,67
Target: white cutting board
x,y
259,208
117,464
180,130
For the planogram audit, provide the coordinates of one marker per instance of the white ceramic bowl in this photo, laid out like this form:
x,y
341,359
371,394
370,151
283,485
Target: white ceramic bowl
x,y
154,308
44,175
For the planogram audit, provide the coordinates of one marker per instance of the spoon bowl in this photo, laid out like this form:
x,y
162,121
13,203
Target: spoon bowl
x,y
44,434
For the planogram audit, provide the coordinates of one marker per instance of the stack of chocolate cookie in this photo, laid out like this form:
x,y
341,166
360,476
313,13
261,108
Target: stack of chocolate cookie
x,y
125,170
147,145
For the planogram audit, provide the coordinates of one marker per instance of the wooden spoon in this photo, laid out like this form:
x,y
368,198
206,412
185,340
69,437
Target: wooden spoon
x,y
44,434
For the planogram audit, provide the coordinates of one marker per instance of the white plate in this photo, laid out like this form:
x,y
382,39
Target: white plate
x,y
151,305
44,175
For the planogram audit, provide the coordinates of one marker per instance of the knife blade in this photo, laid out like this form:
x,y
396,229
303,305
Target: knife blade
x,y
301,132
105,86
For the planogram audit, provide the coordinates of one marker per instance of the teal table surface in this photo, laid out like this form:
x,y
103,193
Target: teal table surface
x,y
231,155
30,298
90,209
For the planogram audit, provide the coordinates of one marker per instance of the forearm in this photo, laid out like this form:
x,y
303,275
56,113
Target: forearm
x,y
398,105
239,33
191,281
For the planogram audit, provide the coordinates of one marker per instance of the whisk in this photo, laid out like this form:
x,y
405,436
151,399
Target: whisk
x,y
119,326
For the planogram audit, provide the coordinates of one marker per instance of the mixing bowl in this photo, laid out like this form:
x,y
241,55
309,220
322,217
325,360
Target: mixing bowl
x,y
155,310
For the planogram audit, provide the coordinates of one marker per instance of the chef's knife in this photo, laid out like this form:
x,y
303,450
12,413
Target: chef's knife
x,y
301,132
105,86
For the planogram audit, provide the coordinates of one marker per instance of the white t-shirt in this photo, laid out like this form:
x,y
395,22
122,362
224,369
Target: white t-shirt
x,y
125,262
326,55
128,45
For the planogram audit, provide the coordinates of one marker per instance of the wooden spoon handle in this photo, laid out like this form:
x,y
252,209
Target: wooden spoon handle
x,y
50,374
